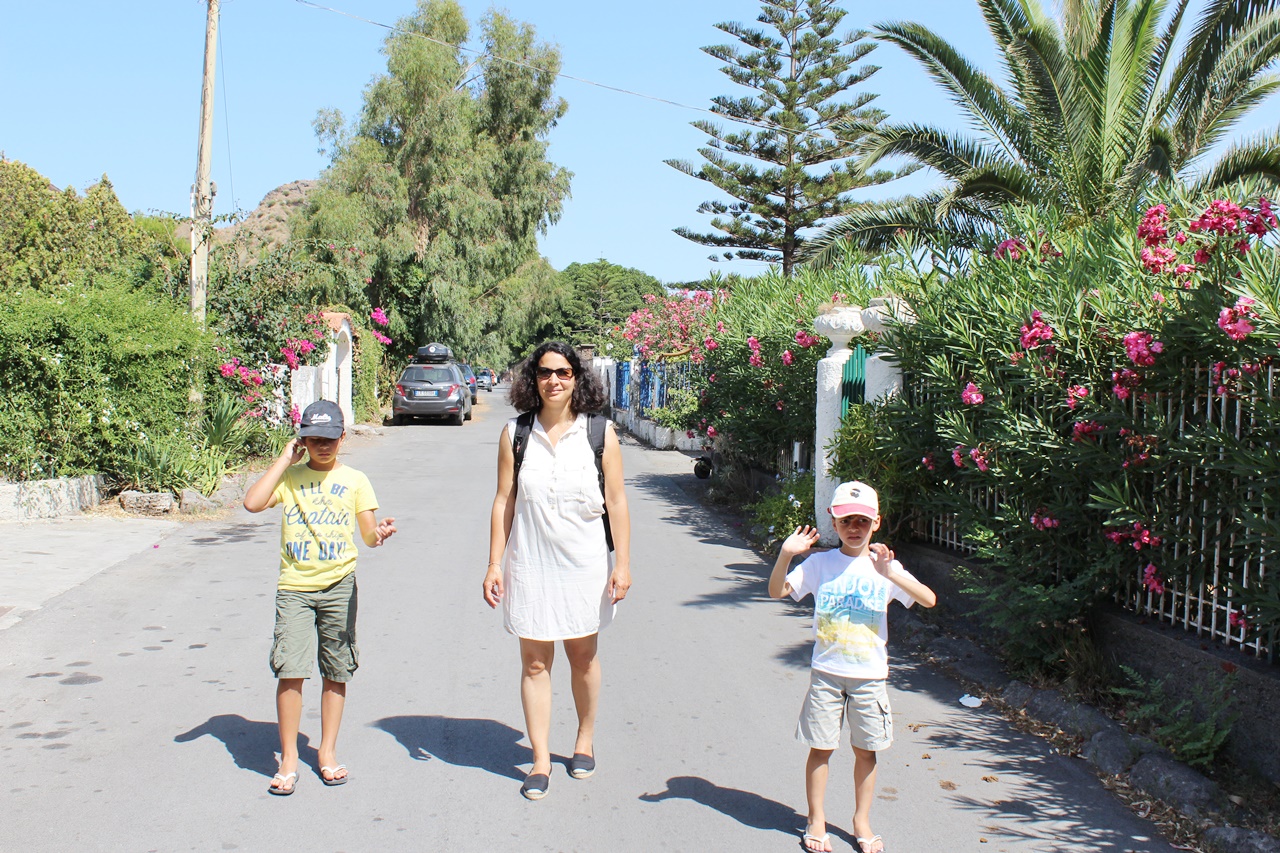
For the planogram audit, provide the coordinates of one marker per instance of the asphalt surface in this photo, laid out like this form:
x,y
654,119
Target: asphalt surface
x,y
138,710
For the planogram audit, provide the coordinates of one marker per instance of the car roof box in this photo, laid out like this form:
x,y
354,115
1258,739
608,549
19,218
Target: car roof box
x,y
434,354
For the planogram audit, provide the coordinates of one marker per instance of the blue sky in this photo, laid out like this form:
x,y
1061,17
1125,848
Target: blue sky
x,y
92,88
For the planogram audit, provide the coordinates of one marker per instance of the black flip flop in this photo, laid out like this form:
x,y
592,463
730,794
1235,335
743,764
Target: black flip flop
x,y
535,786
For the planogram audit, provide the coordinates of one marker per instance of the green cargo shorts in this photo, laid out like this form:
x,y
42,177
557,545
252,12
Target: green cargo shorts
x,y
326,618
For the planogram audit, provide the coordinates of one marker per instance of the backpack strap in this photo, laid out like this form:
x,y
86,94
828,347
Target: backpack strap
x,y
596,425
520,442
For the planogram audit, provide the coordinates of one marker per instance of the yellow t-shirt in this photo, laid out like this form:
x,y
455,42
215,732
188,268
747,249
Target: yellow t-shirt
x,y
318,526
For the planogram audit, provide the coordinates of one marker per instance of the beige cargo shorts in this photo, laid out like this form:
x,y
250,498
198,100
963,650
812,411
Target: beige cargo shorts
x,y
323,621
833,699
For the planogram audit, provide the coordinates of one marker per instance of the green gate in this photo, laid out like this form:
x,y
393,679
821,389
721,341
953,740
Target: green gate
x,y
853,384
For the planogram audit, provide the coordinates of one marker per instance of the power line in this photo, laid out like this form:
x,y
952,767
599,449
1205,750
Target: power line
x,y
619,90
226,123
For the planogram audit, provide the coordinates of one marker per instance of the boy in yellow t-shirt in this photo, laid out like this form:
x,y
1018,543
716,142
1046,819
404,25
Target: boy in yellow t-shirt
x,y
323,502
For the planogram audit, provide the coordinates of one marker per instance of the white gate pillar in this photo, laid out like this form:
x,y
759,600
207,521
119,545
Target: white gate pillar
x,y
839,324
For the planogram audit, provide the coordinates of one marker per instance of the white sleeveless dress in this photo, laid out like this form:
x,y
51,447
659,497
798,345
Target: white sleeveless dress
x,y
556,565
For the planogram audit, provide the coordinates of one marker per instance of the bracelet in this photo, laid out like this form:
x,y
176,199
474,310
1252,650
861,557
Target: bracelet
x,y
493,564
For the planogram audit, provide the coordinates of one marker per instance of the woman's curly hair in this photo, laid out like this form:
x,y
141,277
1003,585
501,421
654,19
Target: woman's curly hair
x,y
588,395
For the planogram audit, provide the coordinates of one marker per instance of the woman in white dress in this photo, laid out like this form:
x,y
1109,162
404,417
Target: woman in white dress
x,y
549,564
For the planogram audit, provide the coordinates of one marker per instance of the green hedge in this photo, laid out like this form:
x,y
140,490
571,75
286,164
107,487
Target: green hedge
x,y
86,374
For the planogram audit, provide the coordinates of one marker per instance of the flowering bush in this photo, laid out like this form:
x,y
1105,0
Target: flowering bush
x,y
1065,430
777,514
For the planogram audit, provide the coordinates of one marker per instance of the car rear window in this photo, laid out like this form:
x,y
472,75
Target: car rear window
x,y
436,375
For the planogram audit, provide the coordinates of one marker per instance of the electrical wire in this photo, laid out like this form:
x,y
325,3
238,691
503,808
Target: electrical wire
x,y
226,123
760,125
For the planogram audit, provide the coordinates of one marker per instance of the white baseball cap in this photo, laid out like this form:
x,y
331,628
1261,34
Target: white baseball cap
x,y
854,498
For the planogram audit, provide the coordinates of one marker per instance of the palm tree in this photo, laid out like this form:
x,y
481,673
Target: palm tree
x,y
1095,109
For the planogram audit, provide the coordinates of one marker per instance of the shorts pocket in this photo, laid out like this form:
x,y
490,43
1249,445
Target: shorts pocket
x,y
886,716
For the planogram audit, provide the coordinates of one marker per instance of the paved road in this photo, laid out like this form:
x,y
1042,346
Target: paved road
x,y
138,707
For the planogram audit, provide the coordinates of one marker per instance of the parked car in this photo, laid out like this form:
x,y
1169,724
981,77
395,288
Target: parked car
x,y
432,389
471,380
484,379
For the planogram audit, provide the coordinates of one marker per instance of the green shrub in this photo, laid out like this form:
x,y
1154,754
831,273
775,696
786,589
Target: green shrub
x,y
778,513
679,412
161,464
864,448
1174,723
86,373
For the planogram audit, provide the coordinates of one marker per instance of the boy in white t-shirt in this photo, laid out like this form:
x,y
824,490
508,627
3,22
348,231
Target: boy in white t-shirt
x,y
851,588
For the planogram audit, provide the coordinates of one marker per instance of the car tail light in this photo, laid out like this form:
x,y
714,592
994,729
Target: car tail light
x,y
453,389
400,390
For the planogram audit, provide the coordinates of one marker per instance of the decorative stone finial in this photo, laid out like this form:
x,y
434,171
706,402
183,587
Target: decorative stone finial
x,y
840,325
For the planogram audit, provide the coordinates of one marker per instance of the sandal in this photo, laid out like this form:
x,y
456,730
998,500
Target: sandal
x,y
280,790
334,778
866,845
820,840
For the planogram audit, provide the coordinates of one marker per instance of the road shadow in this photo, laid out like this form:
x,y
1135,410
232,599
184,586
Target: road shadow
x,y
745,807
252,744
704,522
1030,792
484,744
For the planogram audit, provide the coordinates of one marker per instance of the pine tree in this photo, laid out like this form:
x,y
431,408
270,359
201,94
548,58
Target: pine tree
x,y
786,170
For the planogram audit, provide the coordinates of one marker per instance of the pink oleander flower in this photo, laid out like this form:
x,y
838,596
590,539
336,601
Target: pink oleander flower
x,y
1156,258
787,358
381,338
1075,395
1242,245
1238,620
1041,520
957,456
805,340
1141,349
753,343
1151,579
229,369
778,405
979,458
1235,320
1012,248
295,416
1084,430
755,360
1202,256
1036,333
379,316
712,432
837,297
971,395
1221,217
1152,229
710,343
305,346
926,462
1124,381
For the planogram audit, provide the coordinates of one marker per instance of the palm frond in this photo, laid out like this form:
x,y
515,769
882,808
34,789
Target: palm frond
x,y
1258,157
950,154
876,226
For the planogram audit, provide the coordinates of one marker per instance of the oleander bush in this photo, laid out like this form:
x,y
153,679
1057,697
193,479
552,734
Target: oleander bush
x,y
1092,406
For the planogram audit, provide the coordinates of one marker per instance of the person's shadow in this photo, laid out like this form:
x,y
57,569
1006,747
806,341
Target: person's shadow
x,y
745,807
253,745
484,744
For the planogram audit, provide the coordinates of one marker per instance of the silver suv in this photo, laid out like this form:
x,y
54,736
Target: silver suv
x,y
431,390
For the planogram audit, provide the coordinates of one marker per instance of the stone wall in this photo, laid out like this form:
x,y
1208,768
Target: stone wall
x,y
49,498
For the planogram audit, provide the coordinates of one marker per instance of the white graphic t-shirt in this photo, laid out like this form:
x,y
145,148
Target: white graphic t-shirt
x,y
849,602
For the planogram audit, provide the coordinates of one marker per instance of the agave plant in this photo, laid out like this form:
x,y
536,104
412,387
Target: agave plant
x,y
1099,102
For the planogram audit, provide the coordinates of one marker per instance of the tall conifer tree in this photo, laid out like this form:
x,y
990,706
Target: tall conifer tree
x,y
785,169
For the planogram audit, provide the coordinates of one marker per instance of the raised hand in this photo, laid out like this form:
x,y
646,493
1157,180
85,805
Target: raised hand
x,y
881,558
804,538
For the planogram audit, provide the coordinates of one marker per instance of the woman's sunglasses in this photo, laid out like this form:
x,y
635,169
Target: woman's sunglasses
x,y
562,372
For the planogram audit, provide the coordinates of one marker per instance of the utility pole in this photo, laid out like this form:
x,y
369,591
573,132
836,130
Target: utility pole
x,y
202,193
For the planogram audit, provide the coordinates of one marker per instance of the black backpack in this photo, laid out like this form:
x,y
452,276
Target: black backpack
x,y
595,435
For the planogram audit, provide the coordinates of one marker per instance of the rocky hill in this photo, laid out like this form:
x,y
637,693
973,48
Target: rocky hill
x,y
267,226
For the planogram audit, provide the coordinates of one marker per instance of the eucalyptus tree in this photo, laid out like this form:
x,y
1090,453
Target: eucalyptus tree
x,y
439,190
1099,101
784,165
